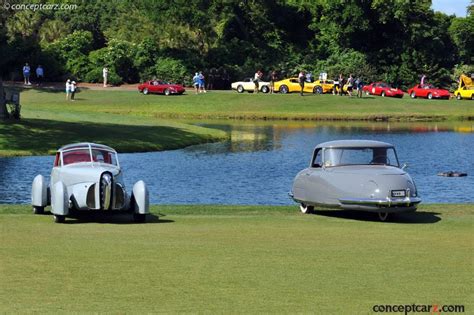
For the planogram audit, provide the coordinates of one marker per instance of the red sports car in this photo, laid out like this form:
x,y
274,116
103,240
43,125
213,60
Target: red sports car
x,y
160,87
382,89
428,91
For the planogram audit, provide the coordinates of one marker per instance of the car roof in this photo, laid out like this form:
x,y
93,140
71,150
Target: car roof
x,y
354,144
85,145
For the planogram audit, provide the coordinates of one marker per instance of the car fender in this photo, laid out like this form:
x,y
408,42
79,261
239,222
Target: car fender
x,y
39,192
59,199
80,191
140,198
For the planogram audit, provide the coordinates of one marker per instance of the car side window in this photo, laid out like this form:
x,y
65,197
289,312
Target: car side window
x,y
318,159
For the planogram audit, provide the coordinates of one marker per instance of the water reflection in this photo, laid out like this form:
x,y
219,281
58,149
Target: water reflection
x,y
259,162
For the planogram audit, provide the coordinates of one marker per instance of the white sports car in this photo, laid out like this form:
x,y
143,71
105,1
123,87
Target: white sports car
x,y
248,85
87,176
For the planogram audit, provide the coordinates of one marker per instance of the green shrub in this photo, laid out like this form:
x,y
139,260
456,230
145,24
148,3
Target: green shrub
x,y
169,69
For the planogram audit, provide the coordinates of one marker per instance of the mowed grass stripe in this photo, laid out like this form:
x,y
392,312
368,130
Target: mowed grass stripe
x,y
228,104
242,259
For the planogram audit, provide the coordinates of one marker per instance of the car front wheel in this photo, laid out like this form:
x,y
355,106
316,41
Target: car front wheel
x,y
306,208
383,94
458,97
145,91
283,89
413,95
167,92
59,218
240,89
265,89
318,90
430,96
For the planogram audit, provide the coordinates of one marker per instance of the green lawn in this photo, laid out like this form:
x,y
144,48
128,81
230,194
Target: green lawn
x,y
227,104
242,259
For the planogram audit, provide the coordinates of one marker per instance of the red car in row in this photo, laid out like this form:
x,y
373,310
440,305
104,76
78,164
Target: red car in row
x,y
428,91
383,89
160,87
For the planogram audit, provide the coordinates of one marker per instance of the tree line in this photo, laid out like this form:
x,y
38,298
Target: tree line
x,y
391,40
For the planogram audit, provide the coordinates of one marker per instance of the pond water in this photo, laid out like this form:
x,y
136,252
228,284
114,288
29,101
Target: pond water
x,y
258,164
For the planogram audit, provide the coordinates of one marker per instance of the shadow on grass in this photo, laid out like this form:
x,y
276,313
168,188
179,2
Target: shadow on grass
x,y
108,218
418,217
38,136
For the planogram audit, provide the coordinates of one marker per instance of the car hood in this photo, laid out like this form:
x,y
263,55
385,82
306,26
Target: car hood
x,y
441,91
86,172
368,170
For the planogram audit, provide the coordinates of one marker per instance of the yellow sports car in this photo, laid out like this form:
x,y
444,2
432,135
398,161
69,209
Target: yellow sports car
x,y
293,85
466,88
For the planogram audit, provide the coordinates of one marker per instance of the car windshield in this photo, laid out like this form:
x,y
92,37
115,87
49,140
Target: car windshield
x,y
360,156
81,155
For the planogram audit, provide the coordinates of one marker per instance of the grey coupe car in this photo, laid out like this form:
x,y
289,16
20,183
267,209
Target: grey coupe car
x,y
355,175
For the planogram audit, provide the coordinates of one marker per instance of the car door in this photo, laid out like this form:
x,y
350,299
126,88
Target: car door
x,y
315,189
248,84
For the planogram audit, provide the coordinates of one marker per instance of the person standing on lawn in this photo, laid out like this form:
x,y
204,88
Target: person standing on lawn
x,y
26,74
301,79
105,74
73,90
39,74
68,89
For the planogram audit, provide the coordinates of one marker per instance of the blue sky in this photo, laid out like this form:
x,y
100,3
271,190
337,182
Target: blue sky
x,y
457,7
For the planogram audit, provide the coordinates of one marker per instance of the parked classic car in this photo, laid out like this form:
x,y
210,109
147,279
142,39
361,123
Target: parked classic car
x,y
428,91
248,85
292,85
382,89
465,88
355,175
87,176
160,87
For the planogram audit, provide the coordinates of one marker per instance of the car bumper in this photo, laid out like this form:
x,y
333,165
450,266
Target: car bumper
x,y
376,205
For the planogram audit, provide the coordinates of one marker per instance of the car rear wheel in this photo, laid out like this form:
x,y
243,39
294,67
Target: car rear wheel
x,y
139,217
283,89
59,218
265,89
383,216
413,95
383,94
145,91
167,92
38,210
240,89
306,208
430,96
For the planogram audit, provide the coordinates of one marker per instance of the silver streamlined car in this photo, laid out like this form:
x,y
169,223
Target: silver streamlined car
x,y
355,175
87,176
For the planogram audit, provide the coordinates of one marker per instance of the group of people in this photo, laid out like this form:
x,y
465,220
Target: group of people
x,y
199,82
340,82
27,74
71,88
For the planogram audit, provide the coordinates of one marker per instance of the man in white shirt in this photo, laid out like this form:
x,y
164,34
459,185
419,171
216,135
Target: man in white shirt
x,y
105,73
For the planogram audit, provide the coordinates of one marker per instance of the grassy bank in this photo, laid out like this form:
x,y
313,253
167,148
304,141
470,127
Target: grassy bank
x,y
244,259
42,132
226,104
